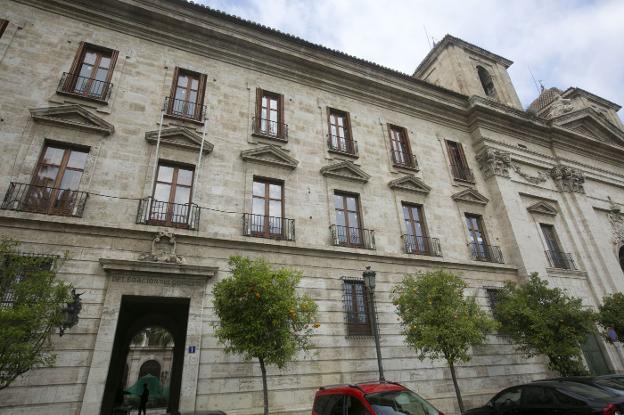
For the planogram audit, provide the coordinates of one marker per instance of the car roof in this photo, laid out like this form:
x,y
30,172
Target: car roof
x,y
363,387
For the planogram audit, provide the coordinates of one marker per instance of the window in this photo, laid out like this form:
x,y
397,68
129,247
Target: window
x,y
348,228
356,308
91,72
267,209
54,185
507,398
486,82
187,95
19,267
459,165
355,407
172,196
478,241
493,295
621,257
556,258
416,240
329,405
3,26
270,115
401,152
340,138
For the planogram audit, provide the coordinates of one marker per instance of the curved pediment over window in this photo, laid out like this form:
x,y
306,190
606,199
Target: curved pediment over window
x,y
345,170
470,196
410,184
179,137
271,155
72,116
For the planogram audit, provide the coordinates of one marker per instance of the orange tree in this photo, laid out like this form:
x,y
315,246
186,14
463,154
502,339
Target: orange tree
x,y
261,315
31,307
438,321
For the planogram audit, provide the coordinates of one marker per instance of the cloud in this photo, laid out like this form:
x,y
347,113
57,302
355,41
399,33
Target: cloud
x,y
563,43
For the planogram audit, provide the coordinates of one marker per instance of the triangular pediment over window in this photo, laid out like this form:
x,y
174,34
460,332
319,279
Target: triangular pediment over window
x,y
410,184
470,196
271,155
345,170
72,116
179,137
543,208
591,123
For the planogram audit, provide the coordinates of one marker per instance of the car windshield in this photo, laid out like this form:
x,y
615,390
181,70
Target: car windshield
x,y
400,403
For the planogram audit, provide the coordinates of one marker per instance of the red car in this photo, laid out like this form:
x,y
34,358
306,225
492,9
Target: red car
x,y
386,398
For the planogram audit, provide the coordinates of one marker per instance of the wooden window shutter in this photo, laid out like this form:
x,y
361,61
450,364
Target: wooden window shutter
x,y
259,93
113,61
3,26
199,110
348,128
78,58
172,91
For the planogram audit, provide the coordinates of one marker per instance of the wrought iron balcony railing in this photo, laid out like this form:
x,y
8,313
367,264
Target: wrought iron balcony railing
x,y
74,84
403,159
421,245
42,199
342,145
463,173
175,215
486,253
268,128
352,237
268,227
184,109
561,260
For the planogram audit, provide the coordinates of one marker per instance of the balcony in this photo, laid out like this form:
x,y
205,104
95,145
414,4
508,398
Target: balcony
x,y
421,245
47,200
80,86
561,260
404,160
187,110
486,253
271,129
342,145
352,237
271,227
174,215
463,173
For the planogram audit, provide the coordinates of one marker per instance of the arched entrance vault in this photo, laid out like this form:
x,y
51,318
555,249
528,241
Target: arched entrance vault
x,y
141,294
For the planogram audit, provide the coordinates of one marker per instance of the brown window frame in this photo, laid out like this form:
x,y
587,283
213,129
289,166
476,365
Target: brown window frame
x,y
71,80
352,308
404,145
281,124
459,163
170,214
198,112
57,193
3,25
348,145
347,225
423,246
267,224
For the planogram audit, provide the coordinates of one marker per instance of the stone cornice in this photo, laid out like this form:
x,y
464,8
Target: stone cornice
x,y
158,268
16,220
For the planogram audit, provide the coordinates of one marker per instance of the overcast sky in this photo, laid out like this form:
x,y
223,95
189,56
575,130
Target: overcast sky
x,y
564,43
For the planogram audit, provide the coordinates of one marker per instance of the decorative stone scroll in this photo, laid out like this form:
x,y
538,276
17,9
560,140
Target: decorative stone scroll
x,y
494,162
540,178
568,179
163,249
616,219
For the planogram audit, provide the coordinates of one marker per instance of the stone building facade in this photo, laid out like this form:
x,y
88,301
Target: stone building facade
x,y
153,139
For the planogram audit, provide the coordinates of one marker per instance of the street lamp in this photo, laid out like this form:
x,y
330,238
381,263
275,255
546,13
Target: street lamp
x,y
369,283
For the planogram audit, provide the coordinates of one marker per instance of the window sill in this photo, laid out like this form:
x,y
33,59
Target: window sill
x,y
86,98
270,137
270,237
405,167
343,153
186,119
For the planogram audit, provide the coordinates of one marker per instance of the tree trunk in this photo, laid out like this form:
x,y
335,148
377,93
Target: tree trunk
x,y
457,392
265,392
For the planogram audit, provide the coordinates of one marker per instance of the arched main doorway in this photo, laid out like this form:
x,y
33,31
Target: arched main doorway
x,y
140,319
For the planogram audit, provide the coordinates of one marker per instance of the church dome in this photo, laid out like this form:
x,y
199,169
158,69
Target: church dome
x,y
545,98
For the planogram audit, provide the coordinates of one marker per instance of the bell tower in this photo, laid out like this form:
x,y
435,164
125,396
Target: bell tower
x,y
470,70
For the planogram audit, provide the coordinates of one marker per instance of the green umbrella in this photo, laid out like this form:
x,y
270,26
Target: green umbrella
x,y
153,385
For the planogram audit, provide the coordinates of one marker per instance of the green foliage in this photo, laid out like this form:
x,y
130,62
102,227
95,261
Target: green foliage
x,y
545,320
437,320
260,313
32,301
611,313
155,336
